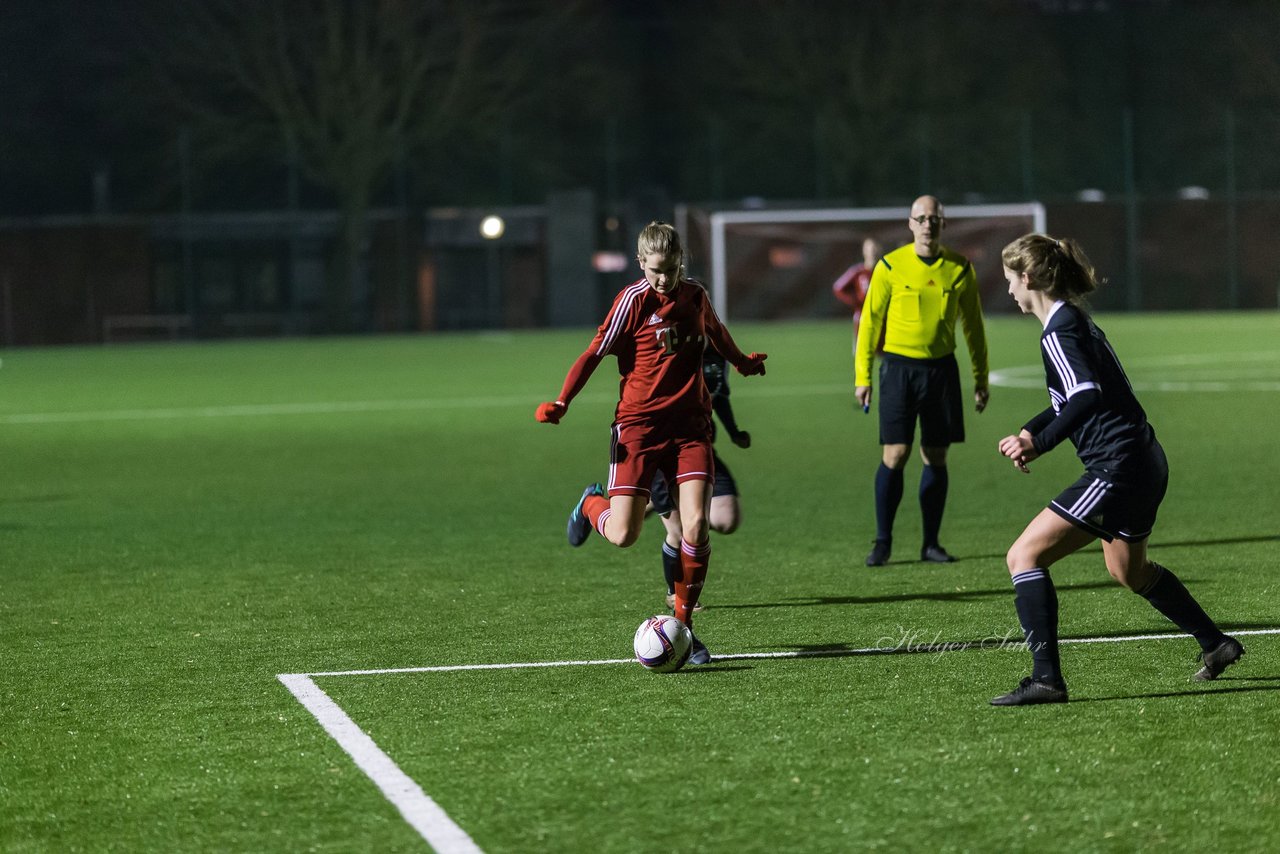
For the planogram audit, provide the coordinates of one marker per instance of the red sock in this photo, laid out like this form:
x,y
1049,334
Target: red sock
x,y
596,509
693,571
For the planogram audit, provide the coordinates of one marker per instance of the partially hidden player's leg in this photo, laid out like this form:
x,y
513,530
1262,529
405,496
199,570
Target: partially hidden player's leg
x,y
663,503
671,561
726,511
933,501
671,554
889,480
726,514
1048,539
1128,564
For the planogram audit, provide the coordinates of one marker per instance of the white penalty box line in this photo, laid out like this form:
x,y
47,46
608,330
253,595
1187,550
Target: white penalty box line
x,y
443,834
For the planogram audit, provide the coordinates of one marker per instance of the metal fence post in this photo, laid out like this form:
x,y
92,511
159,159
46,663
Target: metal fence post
x,y
1233,234
1131,214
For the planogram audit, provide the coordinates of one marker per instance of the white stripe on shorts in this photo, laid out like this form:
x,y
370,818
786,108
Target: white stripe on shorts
x,y
1085,503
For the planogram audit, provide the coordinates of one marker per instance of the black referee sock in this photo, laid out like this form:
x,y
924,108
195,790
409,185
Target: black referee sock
x,y
670,565
1037,602
933,500
888,497
1168,596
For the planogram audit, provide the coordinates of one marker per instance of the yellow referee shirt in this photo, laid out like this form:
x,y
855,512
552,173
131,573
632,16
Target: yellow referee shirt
x,y
917,305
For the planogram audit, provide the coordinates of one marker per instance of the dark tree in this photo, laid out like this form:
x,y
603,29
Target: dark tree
x,y
344,90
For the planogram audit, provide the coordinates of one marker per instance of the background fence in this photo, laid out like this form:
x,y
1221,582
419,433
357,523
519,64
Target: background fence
x,y
1177,208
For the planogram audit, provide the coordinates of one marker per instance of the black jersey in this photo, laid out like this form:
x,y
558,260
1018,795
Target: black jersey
x,y
1112,434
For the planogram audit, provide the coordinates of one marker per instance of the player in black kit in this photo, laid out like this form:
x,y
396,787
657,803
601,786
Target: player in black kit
x,y
1125,477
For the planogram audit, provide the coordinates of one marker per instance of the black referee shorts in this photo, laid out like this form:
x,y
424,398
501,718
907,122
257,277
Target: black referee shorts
x,y
664,502
924,390
1118,505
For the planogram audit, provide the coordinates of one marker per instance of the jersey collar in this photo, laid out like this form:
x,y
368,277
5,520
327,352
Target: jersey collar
x,y
1052,311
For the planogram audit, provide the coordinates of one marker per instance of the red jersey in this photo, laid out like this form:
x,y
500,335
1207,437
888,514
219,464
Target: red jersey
x,y
851,288
658,341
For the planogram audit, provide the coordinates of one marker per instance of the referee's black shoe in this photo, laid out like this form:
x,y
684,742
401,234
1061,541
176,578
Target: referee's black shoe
x,y
936,554
1218,659
1031,692
879,553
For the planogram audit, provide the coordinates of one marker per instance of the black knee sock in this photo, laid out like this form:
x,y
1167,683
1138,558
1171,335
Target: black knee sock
x,y
1037,602
1168,596
888,497
933,500
670,565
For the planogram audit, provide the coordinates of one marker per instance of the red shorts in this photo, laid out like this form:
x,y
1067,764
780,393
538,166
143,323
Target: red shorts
x,y
640,449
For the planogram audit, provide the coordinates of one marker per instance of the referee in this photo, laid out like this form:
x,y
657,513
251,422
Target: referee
x,y
917,292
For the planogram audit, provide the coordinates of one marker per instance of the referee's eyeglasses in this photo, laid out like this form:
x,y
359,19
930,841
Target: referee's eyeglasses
x,y
932,220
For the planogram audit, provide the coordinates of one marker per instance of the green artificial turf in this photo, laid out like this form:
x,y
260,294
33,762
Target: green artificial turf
x,y
180,524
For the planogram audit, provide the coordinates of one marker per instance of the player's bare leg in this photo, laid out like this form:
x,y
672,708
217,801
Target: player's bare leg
x,y
622,522
1045,541
694,507
618,519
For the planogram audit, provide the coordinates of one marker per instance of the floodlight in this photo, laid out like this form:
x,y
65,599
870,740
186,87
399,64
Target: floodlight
x,y
492,227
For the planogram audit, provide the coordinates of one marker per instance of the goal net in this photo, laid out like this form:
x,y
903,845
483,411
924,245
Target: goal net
x,y
780,264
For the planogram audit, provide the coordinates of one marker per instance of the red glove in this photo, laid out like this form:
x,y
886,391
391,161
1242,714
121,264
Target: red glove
x,y
550,413
753,365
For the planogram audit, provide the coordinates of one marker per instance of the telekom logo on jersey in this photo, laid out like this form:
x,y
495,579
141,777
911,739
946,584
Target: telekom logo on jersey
x,y
669,338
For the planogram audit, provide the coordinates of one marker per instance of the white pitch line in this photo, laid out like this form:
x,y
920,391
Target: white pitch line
x,y
1032,376
944,646
250,410
1020,376
1010,379
422,813
426,816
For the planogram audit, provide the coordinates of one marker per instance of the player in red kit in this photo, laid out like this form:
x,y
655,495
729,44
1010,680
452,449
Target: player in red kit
x,y
851,288
657,329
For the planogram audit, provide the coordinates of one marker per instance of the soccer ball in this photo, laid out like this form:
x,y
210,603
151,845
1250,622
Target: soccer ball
x,y
663,643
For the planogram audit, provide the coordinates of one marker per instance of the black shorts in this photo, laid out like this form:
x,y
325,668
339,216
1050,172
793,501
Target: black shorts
x,y
924,390
1113,505
724,484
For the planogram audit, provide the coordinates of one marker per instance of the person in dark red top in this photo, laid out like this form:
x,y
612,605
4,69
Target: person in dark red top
x,y
851,287
657,329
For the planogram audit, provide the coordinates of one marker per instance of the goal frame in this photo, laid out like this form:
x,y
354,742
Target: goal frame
x,y
719,220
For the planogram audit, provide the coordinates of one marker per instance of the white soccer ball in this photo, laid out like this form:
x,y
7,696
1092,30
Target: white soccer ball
x,y
662,643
